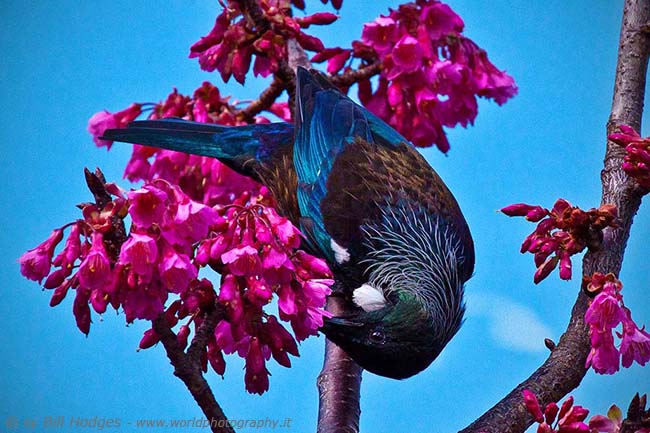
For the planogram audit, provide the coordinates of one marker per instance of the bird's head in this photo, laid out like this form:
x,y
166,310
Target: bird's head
x,y
397,341
412,304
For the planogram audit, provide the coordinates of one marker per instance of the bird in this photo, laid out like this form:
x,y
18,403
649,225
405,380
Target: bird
x,y
367,202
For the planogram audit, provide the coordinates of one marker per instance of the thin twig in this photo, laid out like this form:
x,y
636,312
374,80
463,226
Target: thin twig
x,y
204,332
264,102
188,369
348,78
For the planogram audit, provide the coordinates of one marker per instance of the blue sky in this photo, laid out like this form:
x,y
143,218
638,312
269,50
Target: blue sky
x,y
63,61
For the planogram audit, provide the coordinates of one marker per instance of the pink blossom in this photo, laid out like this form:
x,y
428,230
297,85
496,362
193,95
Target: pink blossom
x,y
233,41
200,295
100,122
439,20
282,110
317,290
604,312
140,253
230,296
257,376
191,221
603,357
273,258
224,337
532,213
146,205
35,264
143,302
258,292
215,357
407,57
568,419
95,269
381,34
176,270
319,18
104,120
71,250
60,293
280,341
287,300
99,300
242,260
286,232
635,343
312,265
139,167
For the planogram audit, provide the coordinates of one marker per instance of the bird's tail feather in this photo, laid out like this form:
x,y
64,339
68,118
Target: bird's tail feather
x,y
236,146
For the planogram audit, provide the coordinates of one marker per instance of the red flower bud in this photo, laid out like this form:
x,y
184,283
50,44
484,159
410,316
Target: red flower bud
x,y
148,339
530,400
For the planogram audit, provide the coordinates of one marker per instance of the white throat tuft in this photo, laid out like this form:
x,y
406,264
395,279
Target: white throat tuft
x,y
369,298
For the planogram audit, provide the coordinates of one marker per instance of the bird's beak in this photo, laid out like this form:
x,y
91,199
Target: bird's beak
x,y
340,321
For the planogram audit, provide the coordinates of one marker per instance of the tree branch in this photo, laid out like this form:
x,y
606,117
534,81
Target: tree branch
x,y
339,384
187,367
565,367
637,417
348,78
264,102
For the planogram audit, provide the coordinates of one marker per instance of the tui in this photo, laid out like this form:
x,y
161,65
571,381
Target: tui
x,y
367,202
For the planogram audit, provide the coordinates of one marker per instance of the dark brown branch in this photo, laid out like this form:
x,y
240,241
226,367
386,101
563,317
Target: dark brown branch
x,y
116,236
188,369
204,332
348,78
264,102
565,367
339,384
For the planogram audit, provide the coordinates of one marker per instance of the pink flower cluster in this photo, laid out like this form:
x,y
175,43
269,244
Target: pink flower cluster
x,y
137,275
255,251
604,314
563,231
569,418
171,238
232,42
430,73
204,179
637,156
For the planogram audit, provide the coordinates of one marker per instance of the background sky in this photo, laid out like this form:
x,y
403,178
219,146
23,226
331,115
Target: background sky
x,y
65,60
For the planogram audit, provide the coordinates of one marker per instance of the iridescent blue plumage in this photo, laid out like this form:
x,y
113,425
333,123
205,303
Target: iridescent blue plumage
x,y
368,203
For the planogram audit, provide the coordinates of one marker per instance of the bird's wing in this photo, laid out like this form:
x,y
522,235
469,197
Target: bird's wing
x,y
326,123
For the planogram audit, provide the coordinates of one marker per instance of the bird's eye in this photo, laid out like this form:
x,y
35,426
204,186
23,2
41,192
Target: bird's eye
x,y
377,337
